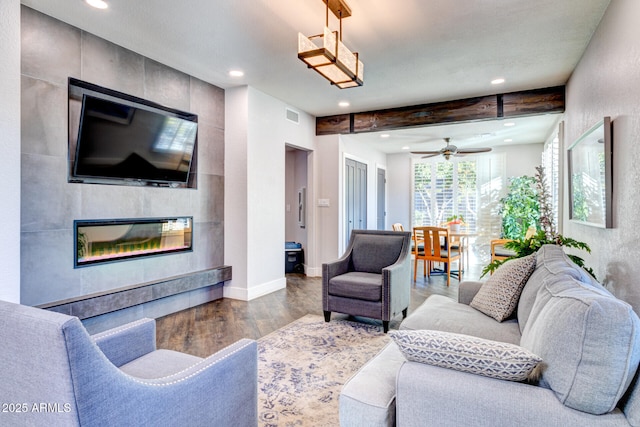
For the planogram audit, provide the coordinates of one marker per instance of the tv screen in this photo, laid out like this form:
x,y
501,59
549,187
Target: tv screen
x,y
131,141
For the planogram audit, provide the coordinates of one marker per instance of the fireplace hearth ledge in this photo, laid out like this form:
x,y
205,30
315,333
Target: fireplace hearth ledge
x,y
98,304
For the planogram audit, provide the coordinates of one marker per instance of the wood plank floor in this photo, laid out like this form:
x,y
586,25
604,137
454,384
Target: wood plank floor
x,y
207,328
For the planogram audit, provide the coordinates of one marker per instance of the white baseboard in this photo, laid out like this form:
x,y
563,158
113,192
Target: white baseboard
x,y
257,291
314,272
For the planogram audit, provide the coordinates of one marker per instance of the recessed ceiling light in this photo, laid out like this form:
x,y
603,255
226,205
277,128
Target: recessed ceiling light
x,y
406,147
384,135
343,104
497,81
508,124
236,73
98,4
508,140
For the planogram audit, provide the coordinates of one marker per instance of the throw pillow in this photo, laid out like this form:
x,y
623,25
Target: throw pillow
x,y
498,296
465,353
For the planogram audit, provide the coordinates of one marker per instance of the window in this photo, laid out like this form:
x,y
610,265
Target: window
x,y
443,189
471,186
551,163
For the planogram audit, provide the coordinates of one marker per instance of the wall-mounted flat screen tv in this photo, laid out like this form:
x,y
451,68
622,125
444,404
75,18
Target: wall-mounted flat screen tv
x,y
132,141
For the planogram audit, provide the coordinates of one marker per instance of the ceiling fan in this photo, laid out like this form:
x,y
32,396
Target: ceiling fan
x,y
452,150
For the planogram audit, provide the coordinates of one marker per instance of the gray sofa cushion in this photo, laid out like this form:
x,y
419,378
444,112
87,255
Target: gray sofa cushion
x,y
358,285
550,261
372,253
589,340
444,314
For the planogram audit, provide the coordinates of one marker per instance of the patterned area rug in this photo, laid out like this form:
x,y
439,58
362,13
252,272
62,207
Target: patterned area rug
x,y
302,367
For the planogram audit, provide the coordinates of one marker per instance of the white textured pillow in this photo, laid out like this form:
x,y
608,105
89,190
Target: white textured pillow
x,y
465,353
498,296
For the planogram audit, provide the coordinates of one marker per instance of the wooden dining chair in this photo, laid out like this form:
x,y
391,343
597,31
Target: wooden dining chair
x,y
498,251
397,227
436,247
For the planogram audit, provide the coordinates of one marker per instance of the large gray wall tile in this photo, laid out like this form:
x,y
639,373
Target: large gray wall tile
x,y
43,118
126,202
47,272
210,149
208,205
48,201
163,266
104,277
50,49
168,201
166,86
207,101
209,245
111,66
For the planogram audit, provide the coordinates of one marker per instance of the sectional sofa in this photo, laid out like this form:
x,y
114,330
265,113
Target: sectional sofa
x,y
582,342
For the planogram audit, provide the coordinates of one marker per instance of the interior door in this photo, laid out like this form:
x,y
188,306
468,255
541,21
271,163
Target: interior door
x,y
355,193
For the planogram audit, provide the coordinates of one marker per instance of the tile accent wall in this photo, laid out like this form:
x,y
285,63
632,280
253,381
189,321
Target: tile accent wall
x,y
52,51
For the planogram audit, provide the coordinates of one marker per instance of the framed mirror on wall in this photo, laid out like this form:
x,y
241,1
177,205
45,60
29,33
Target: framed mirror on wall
x,y
590,160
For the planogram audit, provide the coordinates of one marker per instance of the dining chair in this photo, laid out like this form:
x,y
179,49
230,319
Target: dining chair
x,y
498,251
436,247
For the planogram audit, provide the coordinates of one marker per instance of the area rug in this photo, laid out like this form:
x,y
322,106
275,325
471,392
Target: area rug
x,y
302,367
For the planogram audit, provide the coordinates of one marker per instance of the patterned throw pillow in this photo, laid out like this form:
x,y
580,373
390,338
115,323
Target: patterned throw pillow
x,y
465,353
498,296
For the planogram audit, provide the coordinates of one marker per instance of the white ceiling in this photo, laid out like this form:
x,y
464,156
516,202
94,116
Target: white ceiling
x,y
414,51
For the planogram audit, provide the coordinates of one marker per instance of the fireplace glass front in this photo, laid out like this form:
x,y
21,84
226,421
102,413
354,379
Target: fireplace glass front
x,y
100,241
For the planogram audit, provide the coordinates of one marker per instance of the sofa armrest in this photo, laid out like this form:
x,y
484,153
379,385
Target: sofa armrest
x,y
459,398
127,342
219,390
467,290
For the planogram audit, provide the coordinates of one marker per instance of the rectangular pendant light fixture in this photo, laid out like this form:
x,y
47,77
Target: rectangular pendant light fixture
x,y
326,53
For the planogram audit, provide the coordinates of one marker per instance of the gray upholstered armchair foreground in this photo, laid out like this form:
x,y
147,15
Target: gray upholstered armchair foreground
x,y
372,279
54,373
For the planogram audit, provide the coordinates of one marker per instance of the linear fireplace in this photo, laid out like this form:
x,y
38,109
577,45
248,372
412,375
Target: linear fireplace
x,y
100,241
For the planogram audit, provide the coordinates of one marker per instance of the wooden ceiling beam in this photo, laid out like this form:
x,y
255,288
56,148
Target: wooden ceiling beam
x,y
509,105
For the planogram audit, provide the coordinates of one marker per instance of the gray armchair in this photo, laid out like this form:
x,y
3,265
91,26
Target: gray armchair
x,y
372,279
55,373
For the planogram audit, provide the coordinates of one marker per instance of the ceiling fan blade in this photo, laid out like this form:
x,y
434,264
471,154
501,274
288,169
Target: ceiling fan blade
x,y
430,155
473,150
426,152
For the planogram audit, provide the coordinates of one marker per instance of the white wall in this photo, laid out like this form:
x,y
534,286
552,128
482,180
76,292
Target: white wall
x,y
606,82
521,159
236,190
326,176
399,190
255,189
10,148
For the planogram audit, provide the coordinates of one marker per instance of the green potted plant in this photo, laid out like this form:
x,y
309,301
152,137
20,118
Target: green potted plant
x,y
520,208
547,235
